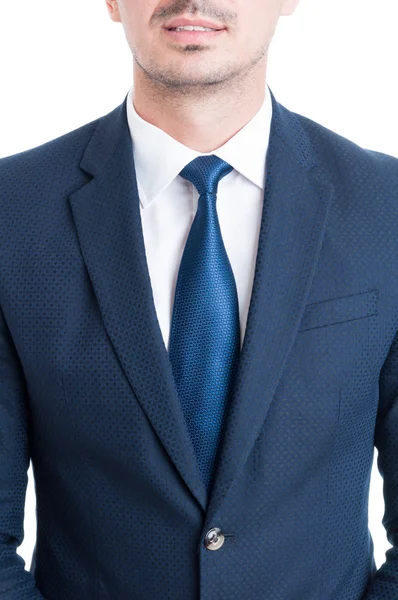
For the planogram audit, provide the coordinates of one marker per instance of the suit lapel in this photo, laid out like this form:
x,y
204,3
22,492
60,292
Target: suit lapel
x,y
107,216
108,223
297,198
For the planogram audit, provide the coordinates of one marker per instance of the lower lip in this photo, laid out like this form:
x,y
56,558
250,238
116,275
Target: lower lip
x,y
193,36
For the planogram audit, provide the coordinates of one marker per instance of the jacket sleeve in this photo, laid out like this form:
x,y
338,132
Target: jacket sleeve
x,y
385,581
16,583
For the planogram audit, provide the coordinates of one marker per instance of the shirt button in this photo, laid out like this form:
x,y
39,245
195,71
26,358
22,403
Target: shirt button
x,y
214,539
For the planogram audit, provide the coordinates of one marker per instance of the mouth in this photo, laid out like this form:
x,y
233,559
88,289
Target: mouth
x,y
190,36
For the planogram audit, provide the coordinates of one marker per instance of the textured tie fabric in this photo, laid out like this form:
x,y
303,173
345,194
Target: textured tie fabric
x,y
204,341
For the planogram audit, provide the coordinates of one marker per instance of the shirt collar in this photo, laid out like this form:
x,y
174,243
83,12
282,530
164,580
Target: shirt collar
x,y
159,158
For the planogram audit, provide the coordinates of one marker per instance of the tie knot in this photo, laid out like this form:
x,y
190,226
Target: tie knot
x,y
205,172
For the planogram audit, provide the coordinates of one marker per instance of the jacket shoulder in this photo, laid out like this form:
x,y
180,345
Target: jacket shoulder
x,y
55,153
344,154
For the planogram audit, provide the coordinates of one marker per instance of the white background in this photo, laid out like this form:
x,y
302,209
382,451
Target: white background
x,y
64,64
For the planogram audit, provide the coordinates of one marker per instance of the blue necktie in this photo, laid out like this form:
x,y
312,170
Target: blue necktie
x,y
204,341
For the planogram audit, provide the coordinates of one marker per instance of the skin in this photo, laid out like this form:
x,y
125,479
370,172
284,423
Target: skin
x,y
200,94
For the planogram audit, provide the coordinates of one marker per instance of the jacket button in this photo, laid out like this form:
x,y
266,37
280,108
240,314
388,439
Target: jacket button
x,y
214,539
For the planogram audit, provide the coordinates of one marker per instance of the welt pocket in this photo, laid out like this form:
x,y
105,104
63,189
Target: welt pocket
x,y
339,310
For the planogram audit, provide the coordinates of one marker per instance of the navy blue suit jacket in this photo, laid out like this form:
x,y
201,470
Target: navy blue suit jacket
x,y
87,393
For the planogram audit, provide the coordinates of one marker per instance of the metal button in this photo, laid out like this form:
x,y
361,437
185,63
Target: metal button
x,y
214,539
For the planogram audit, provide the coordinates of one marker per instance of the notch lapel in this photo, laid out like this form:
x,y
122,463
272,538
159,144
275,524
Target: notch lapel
x,y
297,198
107,217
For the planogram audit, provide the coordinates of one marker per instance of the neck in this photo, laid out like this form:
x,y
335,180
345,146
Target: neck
x,y
200,117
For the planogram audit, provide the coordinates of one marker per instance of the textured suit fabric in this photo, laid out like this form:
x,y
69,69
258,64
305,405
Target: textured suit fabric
x,y
87,391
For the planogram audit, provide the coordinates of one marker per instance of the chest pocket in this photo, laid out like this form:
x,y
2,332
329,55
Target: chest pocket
x,y
340,310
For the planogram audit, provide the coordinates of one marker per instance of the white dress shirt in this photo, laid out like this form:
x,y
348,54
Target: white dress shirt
x,y
168,204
